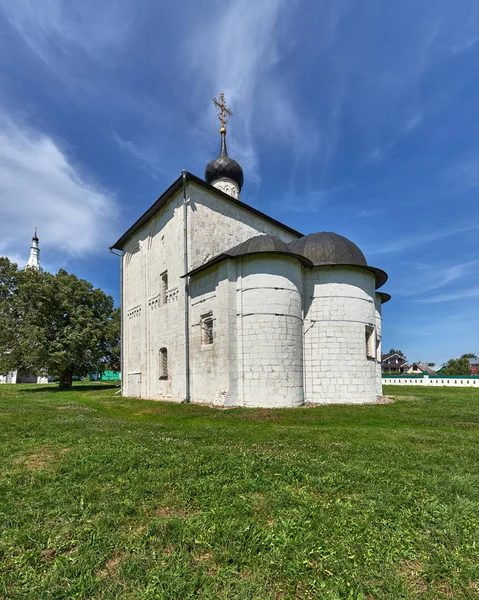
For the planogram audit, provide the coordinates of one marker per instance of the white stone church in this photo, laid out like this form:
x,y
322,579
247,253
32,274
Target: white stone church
x,y
225,305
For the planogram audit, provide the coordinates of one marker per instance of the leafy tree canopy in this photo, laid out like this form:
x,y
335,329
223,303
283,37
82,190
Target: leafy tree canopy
x,y
400,352
58,324
457,366
470,355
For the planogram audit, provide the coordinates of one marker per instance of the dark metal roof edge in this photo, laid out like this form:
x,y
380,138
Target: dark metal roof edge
x,y
171,191
225,255
381,276
384,297
217,259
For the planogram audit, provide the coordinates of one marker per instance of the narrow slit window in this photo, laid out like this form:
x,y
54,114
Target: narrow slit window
x,y
370,350
207,333
163,363
164,287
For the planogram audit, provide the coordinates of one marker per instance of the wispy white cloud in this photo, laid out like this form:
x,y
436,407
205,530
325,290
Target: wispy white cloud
x,y
435,276
40,185
416,241
452,297
310,201
51,28
147,161
235,51
369,213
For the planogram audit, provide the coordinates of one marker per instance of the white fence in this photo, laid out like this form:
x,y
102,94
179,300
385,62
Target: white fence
x,y
433,380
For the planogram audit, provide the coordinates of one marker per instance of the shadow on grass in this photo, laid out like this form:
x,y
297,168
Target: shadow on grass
x,y
53,387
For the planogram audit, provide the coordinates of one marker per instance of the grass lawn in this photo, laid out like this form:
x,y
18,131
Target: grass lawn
x,y
104,497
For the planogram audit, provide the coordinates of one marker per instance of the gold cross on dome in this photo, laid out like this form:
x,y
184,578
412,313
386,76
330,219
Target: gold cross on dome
x,y
224,112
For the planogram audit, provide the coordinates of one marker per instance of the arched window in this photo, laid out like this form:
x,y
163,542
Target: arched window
x,y
207,335
163,363
164,287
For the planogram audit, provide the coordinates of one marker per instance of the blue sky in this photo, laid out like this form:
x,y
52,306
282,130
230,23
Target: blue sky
x,y
357,117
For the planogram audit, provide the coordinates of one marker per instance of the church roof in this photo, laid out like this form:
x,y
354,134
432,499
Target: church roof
x,y
172,190
384,297
327,248
324,249
259,244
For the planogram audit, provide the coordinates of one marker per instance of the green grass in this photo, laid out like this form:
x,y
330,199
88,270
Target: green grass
x,y
103,497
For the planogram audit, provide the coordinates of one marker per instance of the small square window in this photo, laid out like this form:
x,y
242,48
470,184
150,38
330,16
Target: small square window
x,y
207,333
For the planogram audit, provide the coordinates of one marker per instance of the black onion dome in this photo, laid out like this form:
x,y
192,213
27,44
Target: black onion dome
x,y
224,166
330,249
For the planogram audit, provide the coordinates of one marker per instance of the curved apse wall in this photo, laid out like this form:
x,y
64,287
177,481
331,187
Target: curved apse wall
x,y
339,312
271,352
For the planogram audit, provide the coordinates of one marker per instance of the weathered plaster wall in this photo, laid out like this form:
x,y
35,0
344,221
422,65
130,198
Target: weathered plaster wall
x,y
217,225
214,226
338,304
262,354
214,366
269,325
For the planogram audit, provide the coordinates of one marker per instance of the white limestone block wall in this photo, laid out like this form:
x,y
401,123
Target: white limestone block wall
x,y
213,366
165,305
152,319
214,225
339,305
378,321
270,356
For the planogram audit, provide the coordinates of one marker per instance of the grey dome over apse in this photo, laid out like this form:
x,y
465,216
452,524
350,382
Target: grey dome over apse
x,y
260,243
326,248
265,243
314,250
224,166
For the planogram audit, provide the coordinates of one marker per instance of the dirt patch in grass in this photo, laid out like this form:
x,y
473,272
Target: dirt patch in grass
x,y
406,398
258,501
205,560
42,458
175,512
48,554
112,566
411,571
386,400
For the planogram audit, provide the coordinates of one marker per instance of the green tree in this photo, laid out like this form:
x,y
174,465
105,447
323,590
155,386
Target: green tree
x,y
457,366
58,324
400,352
469,355
112,358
